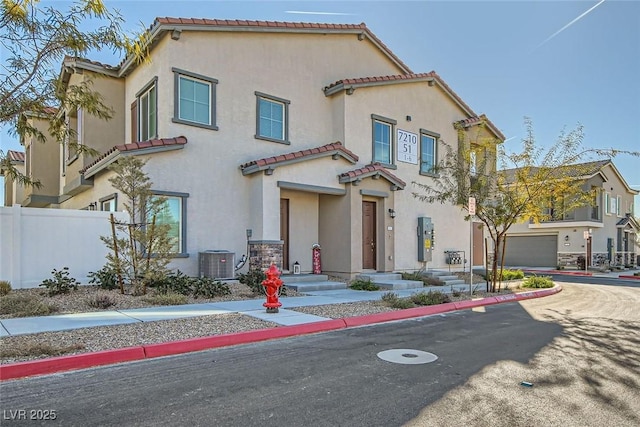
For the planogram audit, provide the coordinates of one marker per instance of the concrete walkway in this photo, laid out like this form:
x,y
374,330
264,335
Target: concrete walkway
x,y
286,316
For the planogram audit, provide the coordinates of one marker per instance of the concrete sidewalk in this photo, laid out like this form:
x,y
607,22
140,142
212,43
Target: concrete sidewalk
x,y
287,315
293,324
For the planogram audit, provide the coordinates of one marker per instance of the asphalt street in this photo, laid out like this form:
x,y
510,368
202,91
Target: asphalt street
x,y
579,350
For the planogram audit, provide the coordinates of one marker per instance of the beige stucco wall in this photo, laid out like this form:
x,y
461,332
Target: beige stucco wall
x,y
43,161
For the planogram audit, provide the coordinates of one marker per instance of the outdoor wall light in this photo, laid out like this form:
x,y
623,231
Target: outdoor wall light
x,y
566,238
392,213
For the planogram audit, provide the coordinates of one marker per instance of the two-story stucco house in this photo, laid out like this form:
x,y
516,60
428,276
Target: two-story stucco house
x,y
604,232
270,137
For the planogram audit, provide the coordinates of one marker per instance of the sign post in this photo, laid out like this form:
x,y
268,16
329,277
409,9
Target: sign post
x,y
585,234
472,212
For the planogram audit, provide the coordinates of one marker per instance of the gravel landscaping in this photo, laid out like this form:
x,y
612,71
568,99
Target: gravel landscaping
x,y
43,345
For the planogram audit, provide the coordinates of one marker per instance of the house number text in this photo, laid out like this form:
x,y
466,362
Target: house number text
x,y
407,147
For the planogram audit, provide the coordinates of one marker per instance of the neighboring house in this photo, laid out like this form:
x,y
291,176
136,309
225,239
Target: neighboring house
x,y
269,137
13,191
608,222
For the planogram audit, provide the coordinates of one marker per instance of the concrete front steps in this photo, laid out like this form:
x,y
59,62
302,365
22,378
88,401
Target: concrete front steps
x,y
311,282
445,276
391,281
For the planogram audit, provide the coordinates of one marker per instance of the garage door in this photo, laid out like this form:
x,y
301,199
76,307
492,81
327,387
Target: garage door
x,y
532,251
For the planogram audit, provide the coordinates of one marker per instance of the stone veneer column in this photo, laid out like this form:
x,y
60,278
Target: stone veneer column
x,y
263,253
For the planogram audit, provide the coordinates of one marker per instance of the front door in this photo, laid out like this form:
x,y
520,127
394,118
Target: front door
x,y
588,261
369,235
478,244
284,232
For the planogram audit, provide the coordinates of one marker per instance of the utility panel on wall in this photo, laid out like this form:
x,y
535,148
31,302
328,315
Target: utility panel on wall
x,y
425,239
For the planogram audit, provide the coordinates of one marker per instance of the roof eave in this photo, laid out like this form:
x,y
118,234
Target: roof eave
x,y
113,156
271,166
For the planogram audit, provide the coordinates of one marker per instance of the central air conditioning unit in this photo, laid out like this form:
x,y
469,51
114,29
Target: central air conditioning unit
x,y
217,264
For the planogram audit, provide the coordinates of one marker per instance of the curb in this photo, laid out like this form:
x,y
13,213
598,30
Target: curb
x,y
130,354
629,277
561,272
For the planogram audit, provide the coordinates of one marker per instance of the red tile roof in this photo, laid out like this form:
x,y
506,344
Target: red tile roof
x,y
372,170
325,150
155,28
378,79
162,142
15,156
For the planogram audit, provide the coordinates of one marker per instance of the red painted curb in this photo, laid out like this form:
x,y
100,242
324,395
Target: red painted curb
x,y
629,277
390,316
205,343
88,360
68,363
564,272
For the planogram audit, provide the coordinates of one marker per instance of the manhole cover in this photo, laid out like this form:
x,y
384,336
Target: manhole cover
x,y
407,356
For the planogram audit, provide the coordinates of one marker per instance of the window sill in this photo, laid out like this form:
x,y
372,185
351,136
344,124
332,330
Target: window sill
x,y
386,165
430,174
266,138
194,124
72,159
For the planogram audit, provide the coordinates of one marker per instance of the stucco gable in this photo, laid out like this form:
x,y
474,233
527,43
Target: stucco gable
x,y
432,78
375,171
135,148
336,150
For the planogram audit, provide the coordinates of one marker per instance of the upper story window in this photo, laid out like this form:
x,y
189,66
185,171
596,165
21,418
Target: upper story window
x,y
272,117
607,203
145,113
382,139
473,163
194,99
595,203
428,152
618,209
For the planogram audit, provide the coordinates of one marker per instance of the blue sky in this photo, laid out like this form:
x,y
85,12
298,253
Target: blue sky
x,y
561,63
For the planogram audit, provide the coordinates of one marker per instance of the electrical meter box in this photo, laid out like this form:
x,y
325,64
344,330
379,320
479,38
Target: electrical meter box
x,y
425,239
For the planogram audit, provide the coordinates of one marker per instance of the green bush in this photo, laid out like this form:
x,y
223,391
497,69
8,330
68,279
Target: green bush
x,y
169,298
509,275
391,299
208,288
25,306
105,278
101,301
537,282
5,287
364,285
429,298
426,280
253,279
177,283
61,282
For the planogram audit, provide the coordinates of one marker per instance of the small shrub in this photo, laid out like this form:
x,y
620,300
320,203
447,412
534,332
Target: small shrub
x,y
208,288
426,280
391,299
537,282
168,298
105,278
5,287
456,293
507,275
25,306
637,273
253,279
61,282
101,301
429,298
177,283
364,285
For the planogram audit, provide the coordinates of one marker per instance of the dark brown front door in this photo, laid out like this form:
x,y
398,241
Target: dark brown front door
x,y
369,235
588,252
284,232
478,243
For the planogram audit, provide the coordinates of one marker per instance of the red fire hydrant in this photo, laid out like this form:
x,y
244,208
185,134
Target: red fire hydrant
x,y
272,286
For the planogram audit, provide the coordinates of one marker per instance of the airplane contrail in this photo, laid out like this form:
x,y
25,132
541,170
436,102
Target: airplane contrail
x,y
569,24
300,12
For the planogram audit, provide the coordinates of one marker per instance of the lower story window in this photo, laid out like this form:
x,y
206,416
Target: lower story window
x,y
173,213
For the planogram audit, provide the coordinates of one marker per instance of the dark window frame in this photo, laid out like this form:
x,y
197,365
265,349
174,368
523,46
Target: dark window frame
x,y
392,140
153,84
436,140
213,83
183,219
285,114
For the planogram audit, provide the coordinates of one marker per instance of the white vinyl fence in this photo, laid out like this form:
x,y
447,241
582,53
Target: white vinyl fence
x,y
34,241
